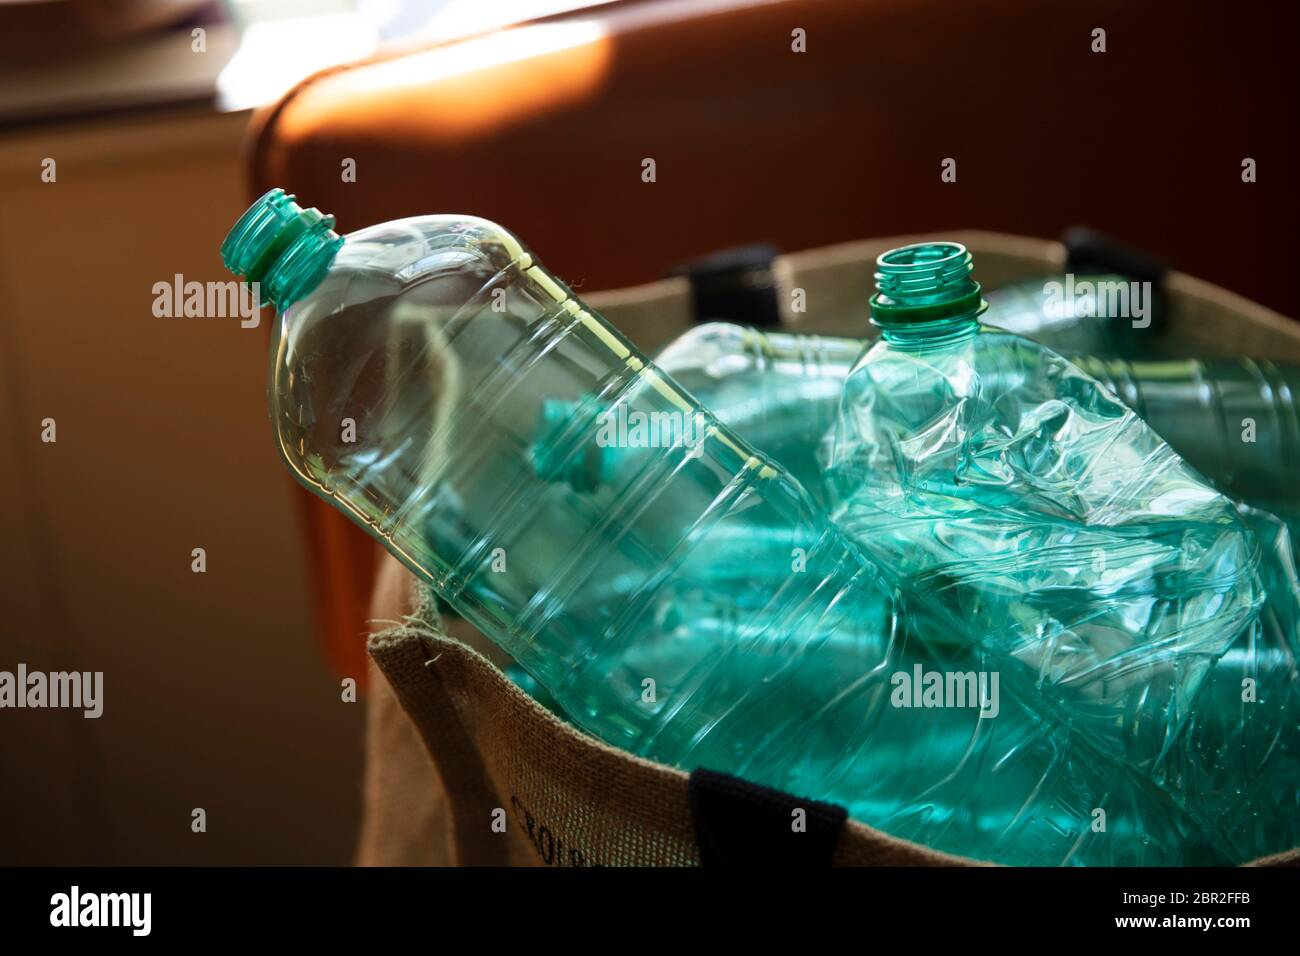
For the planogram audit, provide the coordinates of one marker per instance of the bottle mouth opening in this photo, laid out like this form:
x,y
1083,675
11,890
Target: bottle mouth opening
x,y
924,268
925,282
281,248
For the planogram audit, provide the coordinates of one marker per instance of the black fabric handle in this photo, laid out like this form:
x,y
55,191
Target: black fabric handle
x,y
738,823
734,285
1089,251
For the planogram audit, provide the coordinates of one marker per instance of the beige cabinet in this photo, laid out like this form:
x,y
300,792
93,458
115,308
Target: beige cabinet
x,y
215,693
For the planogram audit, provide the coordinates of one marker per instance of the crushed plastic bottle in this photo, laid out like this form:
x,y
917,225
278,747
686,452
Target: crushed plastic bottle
x,y
1023,503
1240,751
1241,747
1235,420
411,365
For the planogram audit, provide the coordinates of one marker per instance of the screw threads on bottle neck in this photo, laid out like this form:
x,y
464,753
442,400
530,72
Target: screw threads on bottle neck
x,y
282,247
925,295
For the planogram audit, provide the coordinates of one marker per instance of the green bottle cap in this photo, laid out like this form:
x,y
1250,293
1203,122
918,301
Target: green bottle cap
x,y
925,282
282,247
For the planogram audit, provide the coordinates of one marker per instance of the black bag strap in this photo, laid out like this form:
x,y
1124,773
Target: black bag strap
x,y
735,285
1089,251
738,823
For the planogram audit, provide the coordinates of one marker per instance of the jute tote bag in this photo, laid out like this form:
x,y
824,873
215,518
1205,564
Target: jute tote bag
x,y
464,768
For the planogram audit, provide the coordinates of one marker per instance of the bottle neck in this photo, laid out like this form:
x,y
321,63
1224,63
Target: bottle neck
x,y
281,248
925,296
930,335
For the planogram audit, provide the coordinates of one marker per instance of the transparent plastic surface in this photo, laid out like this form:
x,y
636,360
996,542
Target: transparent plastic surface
x,y
1023,504
1022,501
1240,750
1235,420
456,400
1239,753
782,386
408,389
1092,314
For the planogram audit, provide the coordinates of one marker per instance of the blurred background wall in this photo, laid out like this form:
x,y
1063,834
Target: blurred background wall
x,y
218,692
215,693
216,696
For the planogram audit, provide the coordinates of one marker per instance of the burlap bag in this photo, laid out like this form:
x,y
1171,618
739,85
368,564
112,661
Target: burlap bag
x,y
463,767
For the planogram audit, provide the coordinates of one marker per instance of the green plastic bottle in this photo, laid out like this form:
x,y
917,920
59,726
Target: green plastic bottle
x,y
1244,754
1236,420
1028,502
1087,313
780,390
1240,751
1022,502
411,364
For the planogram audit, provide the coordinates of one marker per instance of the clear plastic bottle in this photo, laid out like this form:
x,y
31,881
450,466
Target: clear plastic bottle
x,y
411,366
1240,751
1094,314
1022,503
778,389
1236,420
1242,744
